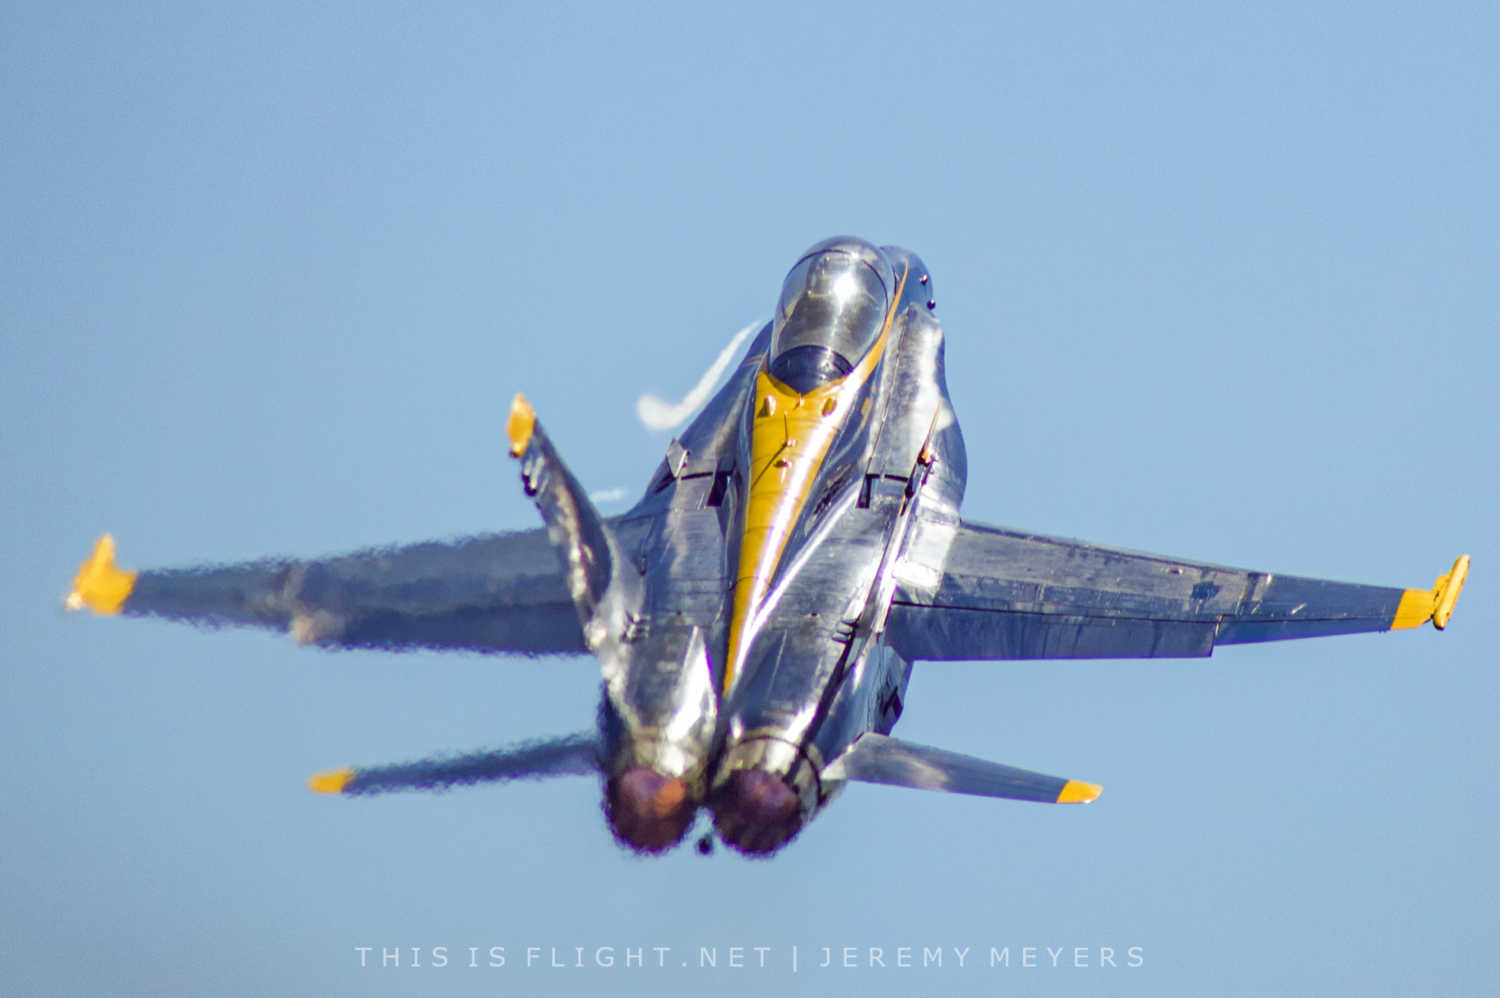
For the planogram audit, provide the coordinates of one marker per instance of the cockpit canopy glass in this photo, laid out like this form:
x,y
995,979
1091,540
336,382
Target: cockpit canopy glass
x,y
832,307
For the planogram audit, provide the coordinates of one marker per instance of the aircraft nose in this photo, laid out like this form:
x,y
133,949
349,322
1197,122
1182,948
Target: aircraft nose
x,y
756,812
648,811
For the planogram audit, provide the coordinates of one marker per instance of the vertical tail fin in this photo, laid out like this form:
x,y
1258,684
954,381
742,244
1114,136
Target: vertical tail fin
x,y
604,586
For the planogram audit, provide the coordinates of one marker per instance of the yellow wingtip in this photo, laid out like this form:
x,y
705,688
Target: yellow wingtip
x,y
1418,606
1078,792
520,425
100,584
330,781
1414,610
1445,593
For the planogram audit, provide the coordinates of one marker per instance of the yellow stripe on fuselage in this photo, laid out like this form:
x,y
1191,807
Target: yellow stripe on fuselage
x,y
788,442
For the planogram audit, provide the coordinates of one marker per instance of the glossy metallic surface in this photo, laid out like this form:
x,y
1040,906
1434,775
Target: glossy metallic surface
x,y
659,708
756,615
877,758
817,672
834,304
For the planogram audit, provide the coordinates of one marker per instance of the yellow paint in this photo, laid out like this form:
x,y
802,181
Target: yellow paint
x,y
520,425
330,781
1414,610
1447,589
100,584
790,439
1078,792
1418,606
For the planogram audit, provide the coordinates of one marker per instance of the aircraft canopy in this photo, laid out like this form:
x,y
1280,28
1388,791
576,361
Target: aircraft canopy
x,y
832,306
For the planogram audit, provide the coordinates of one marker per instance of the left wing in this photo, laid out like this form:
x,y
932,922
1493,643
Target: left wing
x,y
1007,594
493,593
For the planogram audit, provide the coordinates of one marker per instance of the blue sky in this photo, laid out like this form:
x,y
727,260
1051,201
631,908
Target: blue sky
x,y
1217,282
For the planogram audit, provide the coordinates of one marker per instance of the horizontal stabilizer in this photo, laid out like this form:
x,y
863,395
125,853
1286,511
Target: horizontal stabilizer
x,y
881,759
571,755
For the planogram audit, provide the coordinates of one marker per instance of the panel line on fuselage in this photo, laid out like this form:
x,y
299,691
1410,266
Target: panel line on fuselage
x,y
772,507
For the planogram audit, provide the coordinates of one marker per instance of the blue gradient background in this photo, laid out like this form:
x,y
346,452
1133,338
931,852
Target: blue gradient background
x,y
1217,282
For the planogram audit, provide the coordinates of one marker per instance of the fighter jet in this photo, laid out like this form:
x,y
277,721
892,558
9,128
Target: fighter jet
x,y
757,613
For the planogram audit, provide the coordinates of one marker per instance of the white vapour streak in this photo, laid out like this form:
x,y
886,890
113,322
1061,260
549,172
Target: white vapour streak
x,y
608,495
659,414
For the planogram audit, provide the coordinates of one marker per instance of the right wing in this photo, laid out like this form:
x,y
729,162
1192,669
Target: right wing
x,y
490,593
1009,594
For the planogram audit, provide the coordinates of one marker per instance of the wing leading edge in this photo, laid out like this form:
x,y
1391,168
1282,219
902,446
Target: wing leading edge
x,y
1007,594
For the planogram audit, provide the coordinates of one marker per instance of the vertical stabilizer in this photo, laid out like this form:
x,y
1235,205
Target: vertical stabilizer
x,y
605,587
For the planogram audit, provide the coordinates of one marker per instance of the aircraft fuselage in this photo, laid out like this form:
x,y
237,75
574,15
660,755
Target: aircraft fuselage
x,y
773,537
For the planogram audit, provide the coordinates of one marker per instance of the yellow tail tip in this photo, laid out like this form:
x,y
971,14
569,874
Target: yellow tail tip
x,y
1078,792
100,584
330,781
520,425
